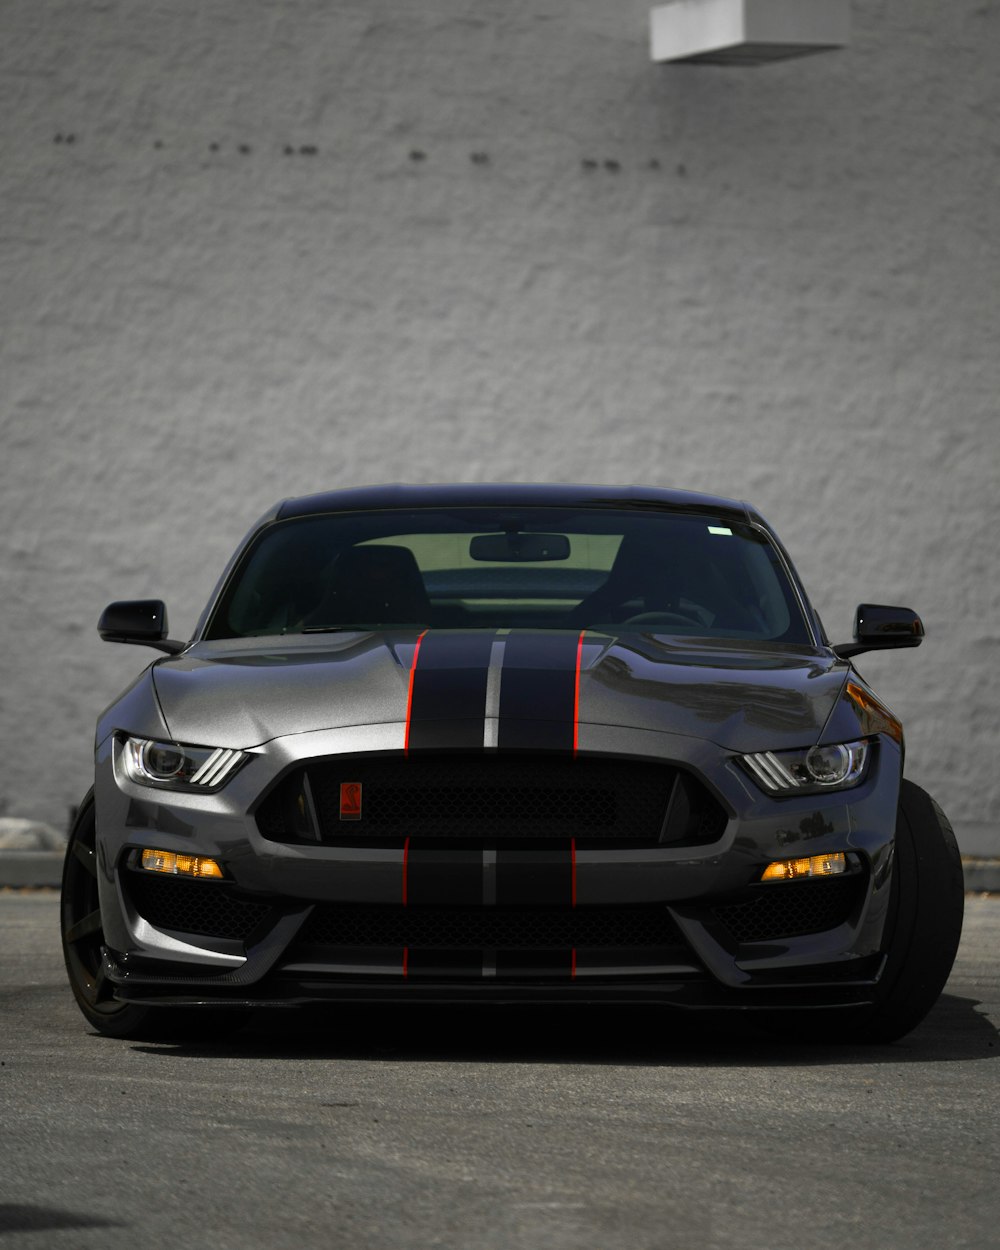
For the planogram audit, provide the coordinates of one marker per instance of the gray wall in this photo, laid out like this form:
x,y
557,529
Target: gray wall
x,y
777,283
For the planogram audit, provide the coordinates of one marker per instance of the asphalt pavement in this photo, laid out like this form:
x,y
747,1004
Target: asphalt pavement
x,y
493,1129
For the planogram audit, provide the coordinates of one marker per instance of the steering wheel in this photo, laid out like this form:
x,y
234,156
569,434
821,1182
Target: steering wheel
x,y
665,618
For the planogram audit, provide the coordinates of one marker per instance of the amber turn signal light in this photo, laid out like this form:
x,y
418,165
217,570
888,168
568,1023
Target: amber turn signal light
x,y
180,865
811,866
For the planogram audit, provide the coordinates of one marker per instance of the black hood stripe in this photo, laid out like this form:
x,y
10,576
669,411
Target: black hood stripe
x,y
448,691
518,691
538,692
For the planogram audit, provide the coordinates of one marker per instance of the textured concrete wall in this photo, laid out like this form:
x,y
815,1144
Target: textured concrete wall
x,y
254,248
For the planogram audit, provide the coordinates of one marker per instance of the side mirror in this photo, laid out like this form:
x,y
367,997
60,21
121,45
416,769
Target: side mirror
x,y
139,621
878,627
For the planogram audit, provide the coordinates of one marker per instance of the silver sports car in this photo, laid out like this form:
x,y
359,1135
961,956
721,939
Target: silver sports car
x,y
508,744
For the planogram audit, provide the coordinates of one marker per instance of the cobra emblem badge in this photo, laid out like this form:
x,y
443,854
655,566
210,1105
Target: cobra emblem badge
x,y
350,800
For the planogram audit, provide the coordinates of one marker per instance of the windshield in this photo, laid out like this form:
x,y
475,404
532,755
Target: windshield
x,y
511,568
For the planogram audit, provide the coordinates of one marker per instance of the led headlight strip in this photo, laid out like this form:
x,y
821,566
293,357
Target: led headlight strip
x,y
176,767
219,765
811,770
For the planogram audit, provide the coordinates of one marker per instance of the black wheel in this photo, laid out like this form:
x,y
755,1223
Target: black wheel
x,y
82,943
923,928
83,934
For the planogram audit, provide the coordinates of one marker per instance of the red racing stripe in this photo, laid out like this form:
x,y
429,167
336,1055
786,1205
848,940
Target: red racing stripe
x,y
409,696
576,714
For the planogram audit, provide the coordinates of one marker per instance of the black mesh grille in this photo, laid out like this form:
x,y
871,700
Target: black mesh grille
x,y
490,797
203,907
792,908
479,928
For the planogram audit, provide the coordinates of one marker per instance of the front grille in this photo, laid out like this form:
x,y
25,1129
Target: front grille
x,y
484,928
491,797
207,908
792,908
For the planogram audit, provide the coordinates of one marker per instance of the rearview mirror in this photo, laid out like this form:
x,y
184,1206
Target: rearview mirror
x,y
139,621
514,547
878,627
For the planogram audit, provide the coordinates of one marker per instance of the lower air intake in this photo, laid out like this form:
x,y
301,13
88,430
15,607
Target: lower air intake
x,y
206,908
792,909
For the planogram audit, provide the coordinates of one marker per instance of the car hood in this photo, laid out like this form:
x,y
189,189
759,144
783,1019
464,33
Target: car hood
x,y
244,692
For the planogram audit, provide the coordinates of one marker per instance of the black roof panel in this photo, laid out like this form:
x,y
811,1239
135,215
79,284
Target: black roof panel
x,y
495,494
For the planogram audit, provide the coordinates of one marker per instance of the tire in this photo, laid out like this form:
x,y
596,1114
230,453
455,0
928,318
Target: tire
x,y
922,931
926,905
83,943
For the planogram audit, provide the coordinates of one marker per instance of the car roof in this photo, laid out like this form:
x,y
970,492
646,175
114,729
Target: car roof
x,y
496,494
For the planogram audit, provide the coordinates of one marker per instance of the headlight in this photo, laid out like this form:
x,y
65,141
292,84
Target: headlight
x,y
172,766
810,771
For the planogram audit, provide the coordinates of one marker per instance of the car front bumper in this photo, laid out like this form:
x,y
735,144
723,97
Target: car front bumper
x,y
352,918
